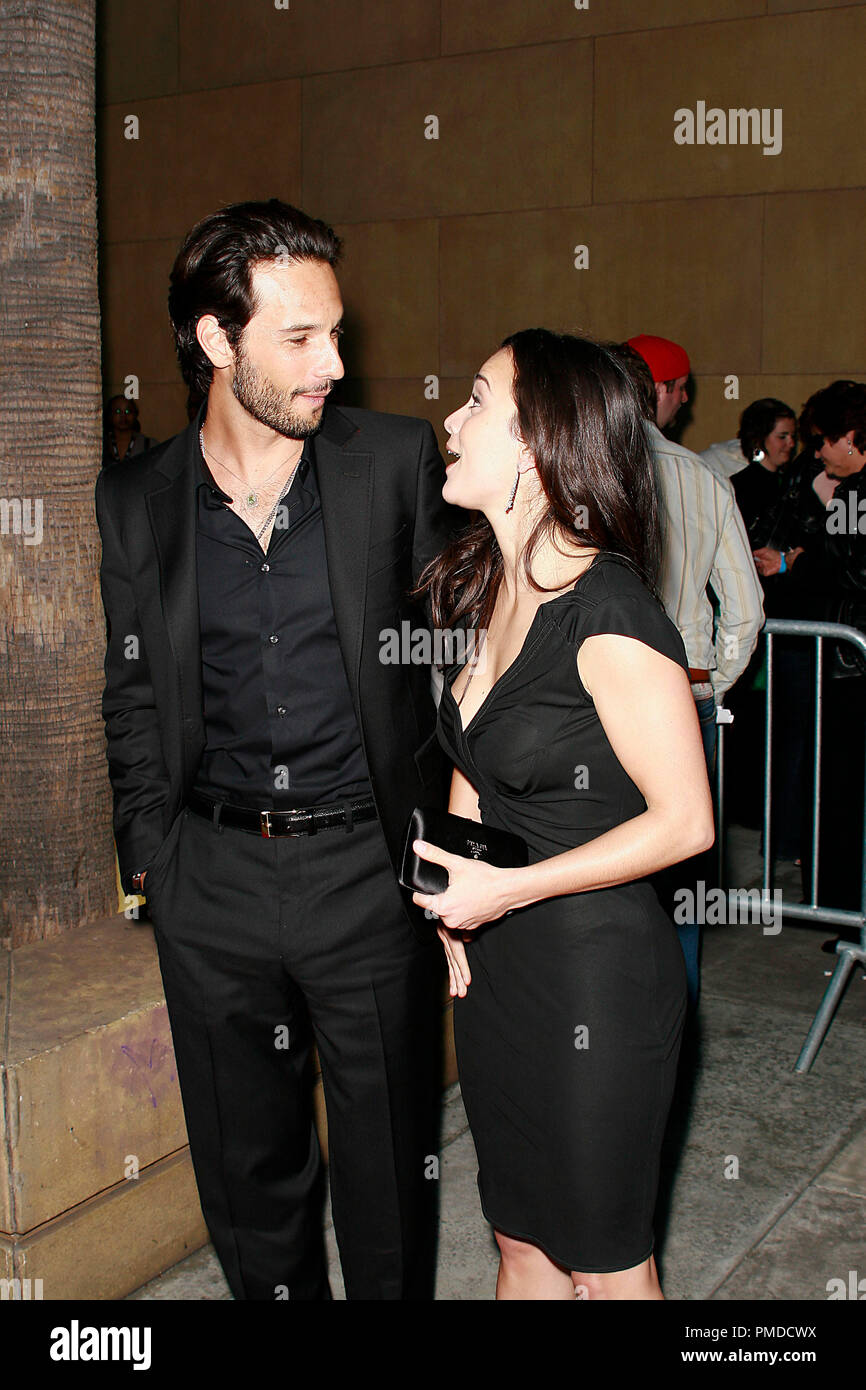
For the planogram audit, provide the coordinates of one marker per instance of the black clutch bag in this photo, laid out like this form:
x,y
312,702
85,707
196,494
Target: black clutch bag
x,y
468,838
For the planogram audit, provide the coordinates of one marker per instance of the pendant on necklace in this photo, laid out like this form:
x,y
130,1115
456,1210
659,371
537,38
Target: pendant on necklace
x,y
252,499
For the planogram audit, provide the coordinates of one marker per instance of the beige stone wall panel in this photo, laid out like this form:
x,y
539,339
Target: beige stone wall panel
x,y
136,49
514,132
224,42
809,65
389,280
194,153
136,330
404,396
469,25
813,283
688,270
788,6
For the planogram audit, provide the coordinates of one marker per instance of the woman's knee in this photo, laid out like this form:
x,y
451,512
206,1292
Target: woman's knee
x,y
591,1286
639,1282
519,1252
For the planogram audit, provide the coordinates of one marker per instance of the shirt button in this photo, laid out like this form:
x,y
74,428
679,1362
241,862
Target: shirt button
x,y
281,710
273,638
265,569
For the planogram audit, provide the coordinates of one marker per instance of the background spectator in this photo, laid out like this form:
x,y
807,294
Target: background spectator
x,y
704,544
767,436
831,578
121,432
771,494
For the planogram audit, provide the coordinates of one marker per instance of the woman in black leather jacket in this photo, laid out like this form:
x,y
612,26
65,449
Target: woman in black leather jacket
x,y
831,585
782,515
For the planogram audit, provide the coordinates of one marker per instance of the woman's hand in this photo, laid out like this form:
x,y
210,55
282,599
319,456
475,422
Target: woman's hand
x,y
459,977
767,561
476,892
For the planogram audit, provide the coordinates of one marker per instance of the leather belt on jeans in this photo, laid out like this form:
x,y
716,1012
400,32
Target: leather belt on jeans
x,y
306,821
697,674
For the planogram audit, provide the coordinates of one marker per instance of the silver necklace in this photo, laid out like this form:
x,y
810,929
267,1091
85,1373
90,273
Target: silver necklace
x,y
272,513
250,502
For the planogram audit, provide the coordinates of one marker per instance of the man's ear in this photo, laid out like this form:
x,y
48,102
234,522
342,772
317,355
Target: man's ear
x,y
213,341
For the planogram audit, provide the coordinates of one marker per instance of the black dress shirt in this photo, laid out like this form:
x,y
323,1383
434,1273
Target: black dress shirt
x,y
280,726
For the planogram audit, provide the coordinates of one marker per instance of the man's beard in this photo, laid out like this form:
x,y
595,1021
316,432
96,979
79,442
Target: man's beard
x,y
261,398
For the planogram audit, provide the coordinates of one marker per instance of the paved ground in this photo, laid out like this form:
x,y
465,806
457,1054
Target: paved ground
x,y
764,1186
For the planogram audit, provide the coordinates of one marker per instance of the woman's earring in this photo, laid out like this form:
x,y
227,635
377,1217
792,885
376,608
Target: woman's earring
x,y
758,456
513,493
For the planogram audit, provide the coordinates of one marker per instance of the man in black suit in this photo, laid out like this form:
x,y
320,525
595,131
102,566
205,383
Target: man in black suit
x,y
265,759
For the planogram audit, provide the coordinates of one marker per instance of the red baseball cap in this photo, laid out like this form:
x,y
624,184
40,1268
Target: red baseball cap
x,y
666,360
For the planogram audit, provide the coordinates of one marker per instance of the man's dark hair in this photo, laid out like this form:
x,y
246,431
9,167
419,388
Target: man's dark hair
x,y
213,272
758,420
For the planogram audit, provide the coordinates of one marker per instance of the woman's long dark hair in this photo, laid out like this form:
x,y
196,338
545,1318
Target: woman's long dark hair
x,y
840,407
578,414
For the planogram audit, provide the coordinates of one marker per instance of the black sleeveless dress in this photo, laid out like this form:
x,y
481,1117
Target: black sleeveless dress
x,y
568,1037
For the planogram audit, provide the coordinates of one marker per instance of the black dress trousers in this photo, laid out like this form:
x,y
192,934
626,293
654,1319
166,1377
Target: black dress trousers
x,y
264,944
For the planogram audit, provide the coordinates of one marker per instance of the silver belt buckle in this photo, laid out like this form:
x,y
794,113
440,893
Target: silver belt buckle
x,y
269,834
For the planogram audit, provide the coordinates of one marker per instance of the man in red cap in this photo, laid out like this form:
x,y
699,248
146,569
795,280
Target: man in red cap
x,y
670,367
705,543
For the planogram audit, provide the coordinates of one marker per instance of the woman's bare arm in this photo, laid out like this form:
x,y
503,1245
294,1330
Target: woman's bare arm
x,y
646,708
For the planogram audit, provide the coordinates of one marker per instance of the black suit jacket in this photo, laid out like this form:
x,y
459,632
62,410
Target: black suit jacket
x,y
380,479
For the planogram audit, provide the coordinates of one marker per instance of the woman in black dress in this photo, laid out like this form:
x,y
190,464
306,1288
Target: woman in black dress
x,y
575,728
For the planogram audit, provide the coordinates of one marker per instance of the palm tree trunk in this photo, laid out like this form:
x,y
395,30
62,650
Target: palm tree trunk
x,y
56,853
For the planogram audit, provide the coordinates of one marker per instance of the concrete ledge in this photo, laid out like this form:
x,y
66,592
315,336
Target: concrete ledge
x,y
110,1244
89,1097
97,1191
90,1090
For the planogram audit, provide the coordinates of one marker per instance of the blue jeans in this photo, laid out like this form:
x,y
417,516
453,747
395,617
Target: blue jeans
x,y
707,719
690,932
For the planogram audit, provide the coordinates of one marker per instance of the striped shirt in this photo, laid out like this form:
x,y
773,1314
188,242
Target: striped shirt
x,y
705,543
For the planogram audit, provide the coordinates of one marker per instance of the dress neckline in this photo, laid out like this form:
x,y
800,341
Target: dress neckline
x,y
524,651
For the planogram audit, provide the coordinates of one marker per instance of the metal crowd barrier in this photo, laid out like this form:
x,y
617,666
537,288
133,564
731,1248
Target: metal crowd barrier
x,y
849,952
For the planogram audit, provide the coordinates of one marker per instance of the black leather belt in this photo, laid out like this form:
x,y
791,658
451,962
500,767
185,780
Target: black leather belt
x,y
306,821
